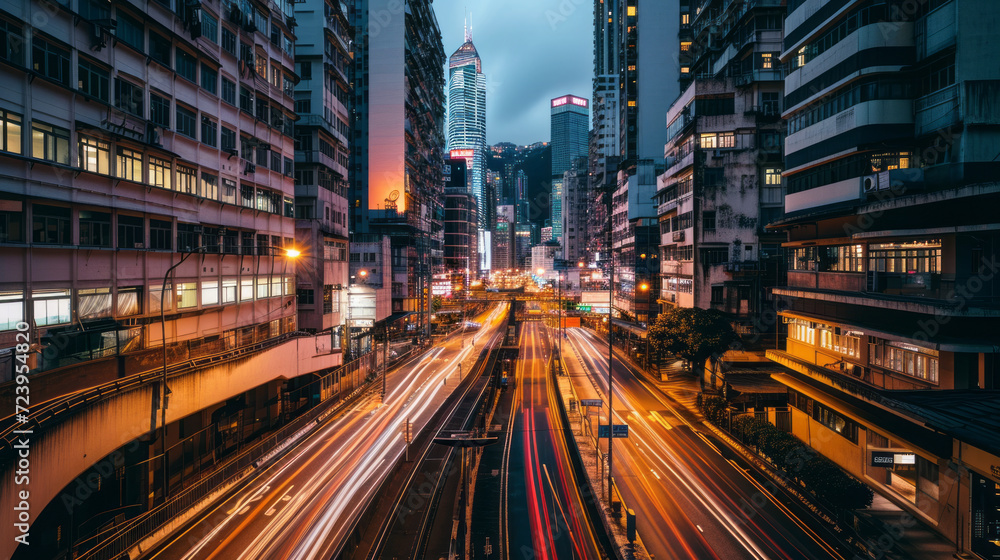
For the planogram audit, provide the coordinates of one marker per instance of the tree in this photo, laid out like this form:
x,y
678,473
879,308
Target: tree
x,y
436,304
692,334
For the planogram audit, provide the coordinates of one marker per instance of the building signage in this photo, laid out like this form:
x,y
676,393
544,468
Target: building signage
x,y
883,458
578,101
591,402
467,154
891,458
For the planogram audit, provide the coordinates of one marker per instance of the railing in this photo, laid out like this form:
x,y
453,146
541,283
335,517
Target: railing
x,y
139,528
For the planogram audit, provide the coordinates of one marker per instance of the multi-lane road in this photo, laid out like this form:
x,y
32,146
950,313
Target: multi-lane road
x,y
545,513
304,505
690,500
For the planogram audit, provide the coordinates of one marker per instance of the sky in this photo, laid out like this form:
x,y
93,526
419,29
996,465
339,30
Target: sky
x,y
532,51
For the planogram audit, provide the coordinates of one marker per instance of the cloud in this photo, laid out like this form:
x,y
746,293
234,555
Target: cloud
x,y
532,51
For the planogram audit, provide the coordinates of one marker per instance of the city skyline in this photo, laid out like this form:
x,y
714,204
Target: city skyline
x,y
519,85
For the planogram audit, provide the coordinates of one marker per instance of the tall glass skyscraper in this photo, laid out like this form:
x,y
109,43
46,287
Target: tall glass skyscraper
x,y
570,130
467,118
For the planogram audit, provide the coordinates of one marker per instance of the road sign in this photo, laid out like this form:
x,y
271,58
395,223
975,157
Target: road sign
x,y
586,308
591,402
618,431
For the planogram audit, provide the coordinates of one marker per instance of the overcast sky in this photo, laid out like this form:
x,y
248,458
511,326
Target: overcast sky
x,y
532,51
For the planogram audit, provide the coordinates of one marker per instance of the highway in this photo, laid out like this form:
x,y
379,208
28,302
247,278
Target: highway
x,y
690,500
543,503
303,505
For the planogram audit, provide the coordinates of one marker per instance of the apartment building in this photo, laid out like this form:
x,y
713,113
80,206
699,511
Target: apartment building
x,y
890,308
146,216
723,179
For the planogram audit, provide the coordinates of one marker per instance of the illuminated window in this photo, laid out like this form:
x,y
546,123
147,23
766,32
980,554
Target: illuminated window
x,y
685,46
631,103
800,58
631,10
685,19
95,156
187,295
772,176
685,70
766,61
52,307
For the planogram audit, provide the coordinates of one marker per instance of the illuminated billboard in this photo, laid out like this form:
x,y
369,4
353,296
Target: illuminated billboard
x,y
578,101
465,154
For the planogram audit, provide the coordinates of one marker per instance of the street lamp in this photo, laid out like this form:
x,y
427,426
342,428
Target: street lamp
x,y
164,390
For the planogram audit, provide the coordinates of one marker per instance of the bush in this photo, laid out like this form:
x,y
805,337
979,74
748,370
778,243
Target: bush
x,y
795,458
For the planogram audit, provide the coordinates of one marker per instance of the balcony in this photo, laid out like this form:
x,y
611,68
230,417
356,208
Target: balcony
x,y
937,110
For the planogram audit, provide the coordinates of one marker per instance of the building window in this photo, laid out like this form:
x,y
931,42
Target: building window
x,y
209,78
802,331
715,256
10,132
263,110
11,309
228,139
93,80
229,41
130,232
210,292
95,156
246,289
159,110
51,307
50,60
159,48
187,295
159,173
228,191
228,91
209,27
187,179
260,65
130,32
229,291
11,42
246,196
93,303
907,359
129,97
160,235
128,301
187,238
128,165
846,258
305,70
708,220
209,132
209,186
717,294
263,287
832,338
50,224
911,258
275,76
246,100
772,176
95,229
185,122
187,65
11,221
305,297
49,142
328,299
836,422
766,61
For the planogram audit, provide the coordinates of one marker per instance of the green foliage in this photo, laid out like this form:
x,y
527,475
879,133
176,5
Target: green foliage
x,y
797,460
692,334
436,304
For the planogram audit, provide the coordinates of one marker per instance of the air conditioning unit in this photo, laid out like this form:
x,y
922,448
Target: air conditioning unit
x,y
678,236
250,168
869,183
98,37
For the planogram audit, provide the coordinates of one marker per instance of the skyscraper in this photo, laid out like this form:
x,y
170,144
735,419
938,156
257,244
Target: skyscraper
x,y
467,120
396,185
570,132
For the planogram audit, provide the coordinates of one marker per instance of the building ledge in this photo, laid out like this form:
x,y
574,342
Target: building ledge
x,y
871,410
924,306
